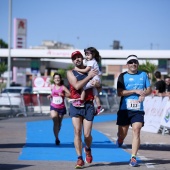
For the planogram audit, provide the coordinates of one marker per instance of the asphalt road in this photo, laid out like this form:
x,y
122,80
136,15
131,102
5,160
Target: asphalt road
x,y
154,150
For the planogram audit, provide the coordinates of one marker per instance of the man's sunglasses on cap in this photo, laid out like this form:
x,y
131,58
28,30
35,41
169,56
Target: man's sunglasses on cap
x,y
132,61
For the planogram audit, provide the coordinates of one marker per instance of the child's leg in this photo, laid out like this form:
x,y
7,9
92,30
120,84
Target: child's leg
x,y
83,94
89,85
97,101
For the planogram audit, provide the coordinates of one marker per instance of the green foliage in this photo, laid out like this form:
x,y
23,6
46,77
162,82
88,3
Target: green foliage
x,y
62,72
51,80
70,67
149,68
3,44
3,68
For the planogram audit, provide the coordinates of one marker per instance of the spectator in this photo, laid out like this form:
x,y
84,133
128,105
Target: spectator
x,y
167,81
160,85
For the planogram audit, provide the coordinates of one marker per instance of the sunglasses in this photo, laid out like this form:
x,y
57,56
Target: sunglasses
x,y
132,61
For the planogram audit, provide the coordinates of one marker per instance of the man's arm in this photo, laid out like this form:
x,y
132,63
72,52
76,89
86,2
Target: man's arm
x,y
84,70
148,91
67,92
79,84
122,92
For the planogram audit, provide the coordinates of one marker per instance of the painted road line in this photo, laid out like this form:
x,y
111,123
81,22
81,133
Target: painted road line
x,y
150,165
143,158
107,134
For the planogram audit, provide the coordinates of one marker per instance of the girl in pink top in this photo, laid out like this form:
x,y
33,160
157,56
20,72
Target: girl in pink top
x,y
57,106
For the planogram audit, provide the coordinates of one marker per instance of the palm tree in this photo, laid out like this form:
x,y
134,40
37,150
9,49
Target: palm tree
x,y
149,68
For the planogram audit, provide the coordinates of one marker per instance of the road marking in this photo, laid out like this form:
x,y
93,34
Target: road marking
x,y
107,134
143,158
150,165
114,138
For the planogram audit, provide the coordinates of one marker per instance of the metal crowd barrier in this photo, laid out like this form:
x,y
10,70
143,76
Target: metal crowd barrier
x,y
10,106
37,103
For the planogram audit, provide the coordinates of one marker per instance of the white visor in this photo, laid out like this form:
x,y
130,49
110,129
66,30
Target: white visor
x,y
132,58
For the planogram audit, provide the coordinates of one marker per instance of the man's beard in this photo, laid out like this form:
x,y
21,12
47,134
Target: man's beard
x,y
78,64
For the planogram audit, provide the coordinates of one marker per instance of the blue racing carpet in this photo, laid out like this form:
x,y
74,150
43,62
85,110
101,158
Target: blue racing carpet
x,y
40,143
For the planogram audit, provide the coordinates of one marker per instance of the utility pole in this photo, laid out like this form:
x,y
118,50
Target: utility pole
x,y
9,42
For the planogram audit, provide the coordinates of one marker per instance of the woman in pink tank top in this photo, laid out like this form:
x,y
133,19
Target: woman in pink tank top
x,y
57,106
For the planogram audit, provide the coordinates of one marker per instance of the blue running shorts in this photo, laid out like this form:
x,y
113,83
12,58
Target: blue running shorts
x,y
86,112
128,117
59,111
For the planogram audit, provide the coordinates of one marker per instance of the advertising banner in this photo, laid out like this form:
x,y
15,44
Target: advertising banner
x,y
41,84
20,33
154,109
165,120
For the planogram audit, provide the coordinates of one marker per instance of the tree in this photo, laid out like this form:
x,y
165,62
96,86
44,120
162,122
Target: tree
x,y
63,74
149,68
3,68
3,44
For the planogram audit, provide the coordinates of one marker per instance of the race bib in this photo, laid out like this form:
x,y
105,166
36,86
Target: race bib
x,y
57,100
133,104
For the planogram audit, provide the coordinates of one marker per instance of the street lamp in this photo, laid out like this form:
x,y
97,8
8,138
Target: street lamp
x,y
9,42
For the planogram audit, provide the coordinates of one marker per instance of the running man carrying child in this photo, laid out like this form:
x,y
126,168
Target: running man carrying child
x,y
93,60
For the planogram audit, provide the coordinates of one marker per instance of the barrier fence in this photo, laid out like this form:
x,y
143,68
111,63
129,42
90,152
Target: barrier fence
x,y
157,109
157,114
32,104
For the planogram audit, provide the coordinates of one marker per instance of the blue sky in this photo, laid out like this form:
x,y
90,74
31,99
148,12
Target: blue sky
x,y
135,23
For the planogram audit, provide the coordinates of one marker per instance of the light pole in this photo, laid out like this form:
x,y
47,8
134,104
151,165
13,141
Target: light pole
x,y
9,41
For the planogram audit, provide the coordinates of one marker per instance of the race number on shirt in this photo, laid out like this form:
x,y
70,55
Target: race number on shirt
x,y
133,104
57,100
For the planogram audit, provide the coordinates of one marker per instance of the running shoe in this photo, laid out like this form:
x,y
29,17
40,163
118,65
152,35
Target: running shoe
x,y
57,141
80,164
89,157
119,142
100,110
133,162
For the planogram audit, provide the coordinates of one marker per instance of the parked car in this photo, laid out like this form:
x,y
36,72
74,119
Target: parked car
x,y
108,90
15,91
11,99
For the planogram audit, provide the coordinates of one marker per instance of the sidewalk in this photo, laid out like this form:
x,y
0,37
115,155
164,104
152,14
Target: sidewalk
x,y
154,150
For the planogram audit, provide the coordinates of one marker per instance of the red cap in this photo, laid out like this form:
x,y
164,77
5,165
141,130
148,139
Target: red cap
x,y
76,53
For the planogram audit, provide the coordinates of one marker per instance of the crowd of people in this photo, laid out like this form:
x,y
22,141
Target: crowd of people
x,y
84,86
162,86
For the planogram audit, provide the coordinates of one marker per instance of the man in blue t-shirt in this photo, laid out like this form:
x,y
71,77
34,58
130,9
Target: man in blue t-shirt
x,y
132,87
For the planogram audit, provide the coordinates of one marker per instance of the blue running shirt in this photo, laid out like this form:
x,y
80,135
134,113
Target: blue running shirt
x,y
128,81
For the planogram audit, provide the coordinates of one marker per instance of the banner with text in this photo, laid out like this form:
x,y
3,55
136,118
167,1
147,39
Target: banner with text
x,y
154,108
